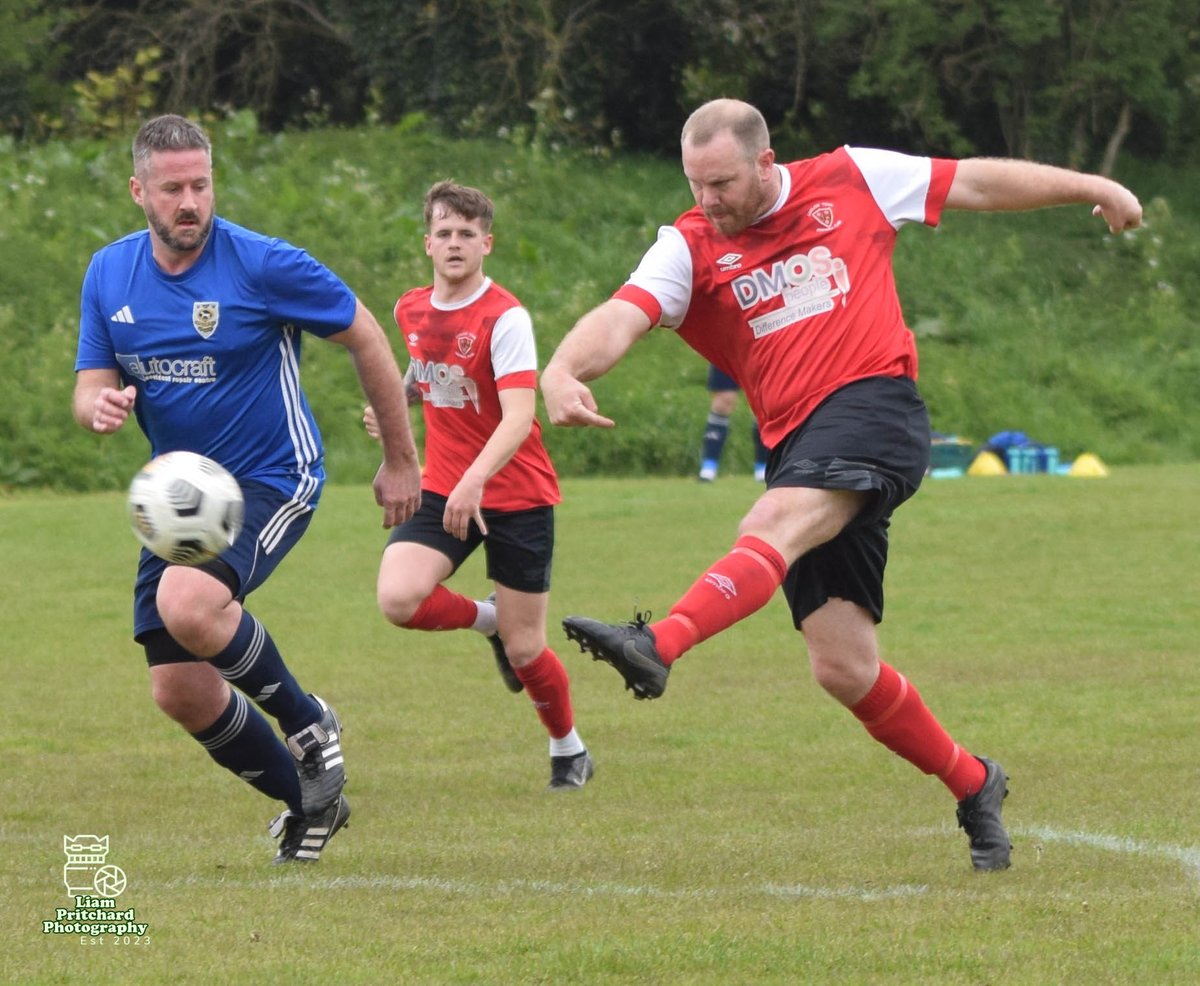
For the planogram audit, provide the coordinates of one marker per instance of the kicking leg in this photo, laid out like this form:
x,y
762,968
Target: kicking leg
x,y
782,525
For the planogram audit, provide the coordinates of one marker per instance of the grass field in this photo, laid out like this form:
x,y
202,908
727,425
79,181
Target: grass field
x,y
742,829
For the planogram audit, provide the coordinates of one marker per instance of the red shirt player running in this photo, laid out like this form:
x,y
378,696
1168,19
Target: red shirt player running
x,y
487,478
781,277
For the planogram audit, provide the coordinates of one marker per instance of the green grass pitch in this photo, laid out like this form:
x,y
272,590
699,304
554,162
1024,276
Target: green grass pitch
x,y
742,829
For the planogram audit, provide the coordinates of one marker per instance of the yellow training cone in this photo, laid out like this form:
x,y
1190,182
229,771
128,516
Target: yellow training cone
x,y
987,464
1088,465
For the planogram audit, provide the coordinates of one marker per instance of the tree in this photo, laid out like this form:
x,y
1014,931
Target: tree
x,y
1073,81
31,92
1064,82
791,58
572,71
1115,77
282,59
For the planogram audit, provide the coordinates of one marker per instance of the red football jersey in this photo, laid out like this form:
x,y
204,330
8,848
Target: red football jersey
x,y
803,301
462,356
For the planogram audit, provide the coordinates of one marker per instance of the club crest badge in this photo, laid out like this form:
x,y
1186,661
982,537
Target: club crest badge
x,y
822,212
205,315
465,341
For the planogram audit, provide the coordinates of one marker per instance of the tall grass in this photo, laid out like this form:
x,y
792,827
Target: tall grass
x,y
1036,322
741,829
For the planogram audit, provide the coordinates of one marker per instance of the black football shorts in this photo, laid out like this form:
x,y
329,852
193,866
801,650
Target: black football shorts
x,y
519,545
871,435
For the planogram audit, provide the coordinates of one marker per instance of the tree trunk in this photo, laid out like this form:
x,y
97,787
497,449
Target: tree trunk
x,y
1120,132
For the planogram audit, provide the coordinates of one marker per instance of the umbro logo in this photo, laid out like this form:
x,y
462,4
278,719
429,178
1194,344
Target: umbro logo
x,y
729,261
722,583
124,315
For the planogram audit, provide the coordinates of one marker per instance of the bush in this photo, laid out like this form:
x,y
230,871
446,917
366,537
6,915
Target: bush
x,y
1037,322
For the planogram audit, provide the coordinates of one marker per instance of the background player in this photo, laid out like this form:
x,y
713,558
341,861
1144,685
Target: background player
x,y
723,393
193,324
488,479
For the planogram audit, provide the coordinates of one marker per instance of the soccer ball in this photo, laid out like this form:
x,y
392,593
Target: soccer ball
x,y
185,508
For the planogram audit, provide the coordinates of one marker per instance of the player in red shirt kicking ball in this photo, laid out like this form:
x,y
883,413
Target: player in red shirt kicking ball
x,y
488,479
781,276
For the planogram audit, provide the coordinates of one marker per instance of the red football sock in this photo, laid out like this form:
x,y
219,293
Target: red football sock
x,y
443,610
735,586
546,684
894,714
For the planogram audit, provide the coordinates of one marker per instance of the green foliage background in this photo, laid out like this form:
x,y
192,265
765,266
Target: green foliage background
x,y
1070,82
1041,322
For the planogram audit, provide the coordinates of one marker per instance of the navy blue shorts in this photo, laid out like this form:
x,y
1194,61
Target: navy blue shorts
x,y
272,525
519,545
719,380
871,435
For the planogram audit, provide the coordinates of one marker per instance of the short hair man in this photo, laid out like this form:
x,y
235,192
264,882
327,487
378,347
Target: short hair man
x,y
488,479
195,325
781,276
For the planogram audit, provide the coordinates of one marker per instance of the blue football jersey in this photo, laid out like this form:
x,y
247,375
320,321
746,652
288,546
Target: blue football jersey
x,y
215,351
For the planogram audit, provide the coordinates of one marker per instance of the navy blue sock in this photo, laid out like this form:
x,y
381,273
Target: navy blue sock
x,y
716,430
761,452
243,742
253,663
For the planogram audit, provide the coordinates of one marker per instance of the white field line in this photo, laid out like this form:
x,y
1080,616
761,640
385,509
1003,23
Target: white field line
x,y
1188,856
508,888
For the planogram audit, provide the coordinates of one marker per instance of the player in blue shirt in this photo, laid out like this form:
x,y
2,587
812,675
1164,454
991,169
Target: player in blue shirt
x,y
195,326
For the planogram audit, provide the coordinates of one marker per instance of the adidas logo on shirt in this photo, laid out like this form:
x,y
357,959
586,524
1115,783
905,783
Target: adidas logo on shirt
x,y
124,315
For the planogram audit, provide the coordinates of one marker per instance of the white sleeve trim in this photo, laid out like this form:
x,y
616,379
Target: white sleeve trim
x,y
899,183
514,349
665,271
